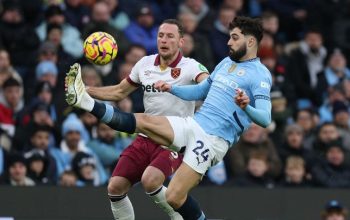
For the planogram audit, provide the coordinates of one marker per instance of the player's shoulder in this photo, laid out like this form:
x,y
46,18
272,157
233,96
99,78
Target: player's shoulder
x,y
190,62
261,69
147,60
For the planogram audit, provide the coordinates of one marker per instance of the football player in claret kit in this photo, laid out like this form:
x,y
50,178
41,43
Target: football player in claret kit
x,y
144,160
236,94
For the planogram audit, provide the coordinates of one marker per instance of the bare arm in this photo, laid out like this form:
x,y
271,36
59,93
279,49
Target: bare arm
x,y
112,93
202,76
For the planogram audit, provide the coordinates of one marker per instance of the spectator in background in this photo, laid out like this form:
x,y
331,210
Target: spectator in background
x,y
16,173
255,138
90,125
304,63
38,115
203,14
307,119
46,71
295,173
197,45
335,93
219,35
134,53
333,210
334,73
271,24
293,15
107,146
119,19
90,76
44,93
71,41
76,13
281,113
52,49
84,167
341,118
68,179
38,167
12,106
332,171
72,144
142,30
293,146
256,174
6,72
327,133
19,39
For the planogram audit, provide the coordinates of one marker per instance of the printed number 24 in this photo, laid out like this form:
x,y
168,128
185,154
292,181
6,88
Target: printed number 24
x,y
200,151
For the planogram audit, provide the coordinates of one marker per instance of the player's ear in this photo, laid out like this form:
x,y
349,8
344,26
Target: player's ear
x,y
181,42
251,41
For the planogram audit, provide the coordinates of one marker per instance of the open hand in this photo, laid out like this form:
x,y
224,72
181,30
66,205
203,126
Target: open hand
x,y
241,98
162,86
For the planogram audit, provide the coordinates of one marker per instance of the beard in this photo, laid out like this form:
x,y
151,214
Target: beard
x,y
236,55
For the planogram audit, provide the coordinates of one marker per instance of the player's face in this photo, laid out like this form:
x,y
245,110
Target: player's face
x,y
168,41
237,45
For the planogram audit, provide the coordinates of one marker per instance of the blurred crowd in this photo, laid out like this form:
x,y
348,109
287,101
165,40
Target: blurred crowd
x,y
305,46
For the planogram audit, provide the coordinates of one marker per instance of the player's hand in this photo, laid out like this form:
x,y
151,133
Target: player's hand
x,y
241,99
162,86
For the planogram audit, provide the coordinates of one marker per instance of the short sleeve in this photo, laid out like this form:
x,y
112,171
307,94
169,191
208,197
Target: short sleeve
x,y
196,69
135,72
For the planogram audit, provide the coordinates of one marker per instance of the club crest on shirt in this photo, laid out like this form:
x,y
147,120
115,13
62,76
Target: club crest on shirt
x,y
175,72
240,72
232,68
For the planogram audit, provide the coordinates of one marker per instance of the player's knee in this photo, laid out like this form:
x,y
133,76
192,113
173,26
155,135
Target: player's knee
x,y
174,199
151,182
117,186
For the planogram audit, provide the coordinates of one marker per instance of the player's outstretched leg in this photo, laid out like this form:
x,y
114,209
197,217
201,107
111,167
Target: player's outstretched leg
x,y
156,127
77,96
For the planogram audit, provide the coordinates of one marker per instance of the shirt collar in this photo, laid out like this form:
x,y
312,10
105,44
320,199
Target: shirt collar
x,y
173,64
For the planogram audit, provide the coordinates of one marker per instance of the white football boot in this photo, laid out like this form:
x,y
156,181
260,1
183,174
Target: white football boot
x,y
75,86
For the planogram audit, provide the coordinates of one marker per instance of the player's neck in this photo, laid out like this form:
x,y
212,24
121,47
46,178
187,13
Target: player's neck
x,y
248,57
164,63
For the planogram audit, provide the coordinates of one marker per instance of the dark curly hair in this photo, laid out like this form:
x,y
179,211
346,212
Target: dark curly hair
x,y
248,26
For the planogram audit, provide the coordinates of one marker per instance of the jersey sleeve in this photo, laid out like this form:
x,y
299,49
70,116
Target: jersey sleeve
x,y
261,85
196,69
134,77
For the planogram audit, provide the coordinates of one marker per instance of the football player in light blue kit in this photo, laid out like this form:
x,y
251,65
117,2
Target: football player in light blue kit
x,y
236,94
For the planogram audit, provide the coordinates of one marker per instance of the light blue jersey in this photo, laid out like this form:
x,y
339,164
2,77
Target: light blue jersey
x,y
220,115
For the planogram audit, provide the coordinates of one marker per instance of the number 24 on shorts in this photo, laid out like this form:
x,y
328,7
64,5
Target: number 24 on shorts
x,y
201,152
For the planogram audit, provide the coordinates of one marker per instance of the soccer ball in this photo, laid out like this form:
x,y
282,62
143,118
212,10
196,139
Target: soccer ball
x,y
100,48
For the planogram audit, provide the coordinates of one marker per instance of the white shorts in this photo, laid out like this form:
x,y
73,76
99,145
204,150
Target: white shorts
x,y
202,150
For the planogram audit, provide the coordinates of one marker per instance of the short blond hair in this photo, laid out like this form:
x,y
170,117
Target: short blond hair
x,y
295,162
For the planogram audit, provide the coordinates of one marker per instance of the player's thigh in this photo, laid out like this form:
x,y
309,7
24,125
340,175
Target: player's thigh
x,y
131,165
157,128
183,181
